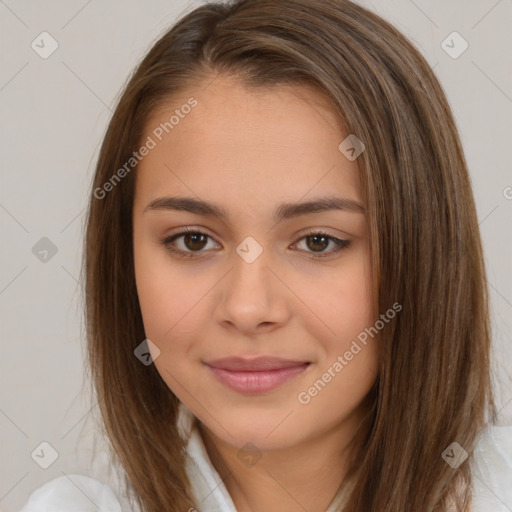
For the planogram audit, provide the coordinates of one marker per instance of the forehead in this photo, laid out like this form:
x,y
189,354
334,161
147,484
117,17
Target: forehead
x,y
231,114
236,144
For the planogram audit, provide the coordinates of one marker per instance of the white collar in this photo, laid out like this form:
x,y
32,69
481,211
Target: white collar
x,y
209,490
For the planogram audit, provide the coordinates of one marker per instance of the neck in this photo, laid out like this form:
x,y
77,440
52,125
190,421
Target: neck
x,y
302,477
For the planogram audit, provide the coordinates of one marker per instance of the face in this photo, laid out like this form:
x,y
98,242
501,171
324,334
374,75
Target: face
x,y
285,289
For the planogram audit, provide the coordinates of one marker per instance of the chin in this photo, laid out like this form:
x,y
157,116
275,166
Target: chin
x,y
265,432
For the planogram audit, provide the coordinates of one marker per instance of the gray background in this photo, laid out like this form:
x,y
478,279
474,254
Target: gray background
x,y
54,112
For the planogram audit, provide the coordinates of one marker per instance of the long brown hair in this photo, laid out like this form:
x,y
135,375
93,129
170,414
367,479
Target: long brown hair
x,y
434,385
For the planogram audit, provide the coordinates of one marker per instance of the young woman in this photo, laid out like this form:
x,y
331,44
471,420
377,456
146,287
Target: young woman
x,y
286,297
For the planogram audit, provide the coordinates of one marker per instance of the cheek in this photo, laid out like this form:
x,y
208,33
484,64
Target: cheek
x,y
349,366
171,307
333,395
346,307
171,312
176,315
345,303
161,295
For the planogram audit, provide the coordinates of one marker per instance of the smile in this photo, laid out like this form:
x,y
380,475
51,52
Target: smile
x,y
257,381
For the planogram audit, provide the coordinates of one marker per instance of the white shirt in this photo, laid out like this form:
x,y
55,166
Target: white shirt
x,y
492,470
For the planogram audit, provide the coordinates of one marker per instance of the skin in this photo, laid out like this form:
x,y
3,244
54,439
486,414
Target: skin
x,y
248,151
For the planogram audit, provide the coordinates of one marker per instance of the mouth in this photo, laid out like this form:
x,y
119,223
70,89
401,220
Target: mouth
x,y
253,376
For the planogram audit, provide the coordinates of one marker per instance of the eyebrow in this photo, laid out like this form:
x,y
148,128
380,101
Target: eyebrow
x,y
282,212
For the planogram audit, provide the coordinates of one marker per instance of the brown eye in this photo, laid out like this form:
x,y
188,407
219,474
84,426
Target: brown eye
x,y
317,243
187,243
190,243
195,241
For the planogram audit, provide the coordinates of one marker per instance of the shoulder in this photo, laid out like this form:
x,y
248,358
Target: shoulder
x,y
72,493
492,470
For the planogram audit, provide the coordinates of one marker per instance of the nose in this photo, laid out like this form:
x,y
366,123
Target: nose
x,y
253,297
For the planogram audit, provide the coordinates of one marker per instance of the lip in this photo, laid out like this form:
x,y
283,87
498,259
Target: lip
x,y
256,364
257,375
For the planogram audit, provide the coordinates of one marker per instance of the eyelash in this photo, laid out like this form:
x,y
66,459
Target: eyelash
x,y
340,244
